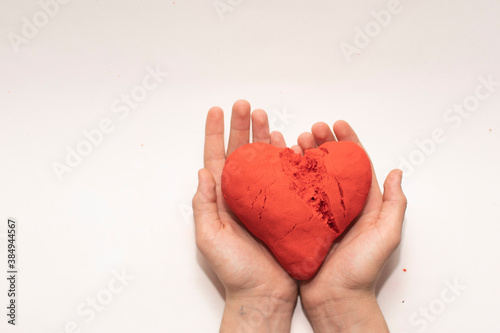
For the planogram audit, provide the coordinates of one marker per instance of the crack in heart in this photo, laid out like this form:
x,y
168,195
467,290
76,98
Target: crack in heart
x,y
288,233
342,203
256,197
306,173
263,207
265,199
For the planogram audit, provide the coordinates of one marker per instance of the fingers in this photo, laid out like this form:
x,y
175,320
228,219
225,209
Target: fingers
x,y
214,155
277,139
322,133
260,127
205,211
239,133
393,207
297,150
344,132
306,141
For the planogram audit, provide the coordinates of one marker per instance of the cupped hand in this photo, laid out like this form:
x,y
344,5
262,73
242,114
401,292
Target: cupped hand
x,y
355,260
248,271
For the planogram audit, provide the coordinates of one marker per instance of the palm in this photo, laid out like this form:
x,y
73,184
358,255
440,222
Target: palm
x,y
241,262
356,258
248,265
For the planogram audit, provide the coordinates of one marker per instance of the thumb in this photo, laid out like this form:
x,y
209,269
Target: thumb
x,y
205,211
393,207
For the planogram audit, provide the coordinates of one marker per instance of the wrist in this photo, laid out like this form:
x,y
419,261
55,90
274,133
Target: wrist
x,y
358,312
244,313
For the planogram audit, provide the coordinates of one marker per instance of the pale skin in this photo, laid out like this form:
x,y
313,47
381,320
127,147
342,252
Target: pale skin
x,y
260,294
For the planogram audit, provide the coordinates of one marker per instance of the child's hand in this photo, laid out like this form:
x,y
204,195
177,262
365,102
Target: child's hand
x,y
260,295
341,296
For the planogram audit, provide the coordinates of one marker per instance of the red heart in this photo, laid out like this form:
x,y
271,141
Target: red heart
x,y
297,205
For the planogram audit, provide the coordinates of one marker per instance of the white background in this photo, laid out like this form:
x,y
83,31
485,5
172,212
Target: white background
x,y
127,204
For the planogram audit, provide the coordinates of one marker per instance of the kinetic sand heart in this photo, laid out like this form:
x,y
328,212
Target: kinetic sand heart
x,y
297,205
